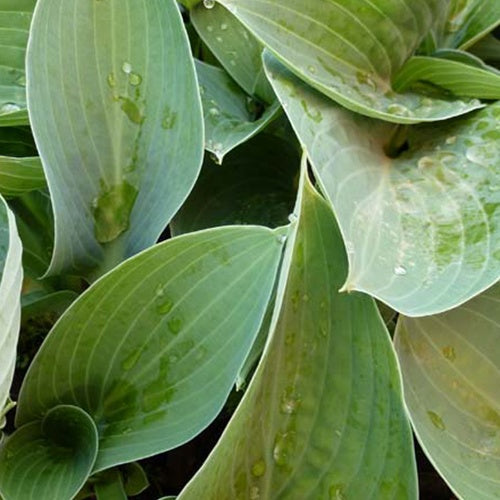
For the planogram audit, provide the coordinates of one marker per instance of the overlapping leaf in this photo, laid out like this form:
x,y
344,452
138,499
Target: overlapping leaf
x,y
323,415
15,18
235,47
49,459
11,277
451,373
228,120
350,51
115,111
152,349
422,230
467,21
257,184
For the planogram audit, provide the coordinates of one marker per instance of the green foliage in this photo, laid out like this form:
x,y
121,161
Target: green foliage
x,y
140,283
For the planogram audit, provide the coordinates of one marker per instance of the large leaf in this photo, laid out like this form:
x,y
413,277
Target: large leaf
x,y
323,416
15,18
235,47
467,21
11,277
350,51
451,373
228,120
116,115
457,77
152,349
257,184
422,230
50,459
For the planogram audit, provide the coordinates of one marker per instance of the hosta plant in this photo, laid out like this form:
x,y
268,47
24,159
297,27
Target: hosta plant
x,y
279,215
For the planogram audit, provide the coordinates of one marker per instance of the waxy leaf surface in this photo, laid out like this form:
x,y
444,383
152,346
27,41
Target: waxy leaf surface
x,y
152,349
114,106
422,230
323,416
451,373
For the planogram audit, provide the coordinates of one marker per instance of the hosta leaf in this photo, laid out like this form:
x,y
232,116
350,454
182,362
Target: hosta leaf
x,y
451,373
467,21
488,49
15,18
351,50
235,48
152,349
50,459
456,77
40,302
11,277
323,416
115,111
228,119
422,230
257,184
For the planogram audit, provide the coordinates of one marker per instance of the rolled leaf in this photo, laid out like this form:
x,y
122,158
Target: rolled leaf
x,y
451,373
152,349
323,416
115,111
49,459
421,228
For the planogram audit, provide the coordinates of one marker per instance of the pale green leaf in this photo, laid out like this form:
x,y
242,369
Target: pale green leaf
x,y
15,18
451,373
115,111
11,278
350,51
323,416
234,47
456,77
422,230
50,459
229,120
152,349
257,184
467,21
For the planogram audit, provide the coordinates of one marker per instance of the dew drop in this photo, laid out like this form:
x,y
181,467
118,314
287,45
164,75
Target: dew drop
x,y
126,67
214,112
293,218
175,325
336,492
210,28
134,79
282,239
449,353
131,360
223,26
9,107
209,4
21,81
427,162
164,305
259,468
283,445
398,109
111,80
400,270
219,39
289,403
436,420
311,69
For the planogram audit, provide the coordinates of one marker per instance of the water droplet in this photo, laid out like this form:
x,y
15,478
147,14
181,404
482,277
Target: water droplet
x,y
175,325
111,211
349,246
232,62
134,79
214,112
111,80
427,162
292,218
210,28
436,420
21,81
223,26
259,468
160,291
398,109
311,69
400,271
126,67
449,353
283,446
482,154
169,118
130,108
290,402
9,107
451,140
164,305
131,360
282,239
219,39
209,4
336,492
